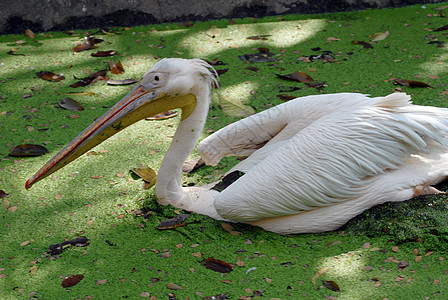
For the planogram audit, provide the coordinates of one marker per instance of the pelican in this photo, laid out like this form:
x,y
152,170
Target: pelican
x,y
313,162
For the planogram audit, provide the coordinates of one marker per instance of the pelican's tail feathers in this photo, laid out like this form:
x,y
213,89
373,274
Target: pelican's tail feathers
x,y
394,101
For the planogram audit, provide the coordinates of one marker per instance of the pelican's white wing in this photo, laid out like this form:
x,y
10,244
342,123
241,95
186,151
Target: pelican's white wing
x,y
332,158
276,124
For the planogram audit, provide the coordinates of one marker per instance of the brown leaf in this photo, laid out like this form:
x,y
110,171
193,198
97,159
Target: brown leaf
x,y
187,23
364,44
92,78
60,247
229,228
102,281
121,82
217,265
222,71
50,76
262,37
116,68
403,265
445,27
192,165
88,44
162,116
316,85
104,53
258,57
410,83
29,33
3,194
27,150
70,104
285,97
330,284
214,62
297,76
175,222
255,69
72,280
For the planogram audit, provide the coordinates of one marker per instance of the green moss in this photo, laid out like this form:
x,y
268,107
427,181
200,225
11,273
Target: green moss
x,y
360,257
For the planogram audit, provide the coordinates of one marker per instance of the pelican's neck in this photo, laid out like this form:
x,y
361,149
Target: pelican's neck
x,y
168,188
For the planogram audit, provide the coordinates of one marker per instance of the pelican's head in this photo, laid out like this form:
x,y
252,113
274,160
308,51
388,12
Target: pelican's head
x,y
171,83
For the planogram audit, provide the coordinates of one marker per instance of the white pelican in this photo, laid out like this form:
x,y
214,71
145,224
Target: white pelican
x,y
314,162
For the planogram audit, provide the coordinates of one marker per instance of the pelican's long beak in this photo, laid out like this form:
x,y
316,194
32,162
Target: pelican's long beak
x,y
136,105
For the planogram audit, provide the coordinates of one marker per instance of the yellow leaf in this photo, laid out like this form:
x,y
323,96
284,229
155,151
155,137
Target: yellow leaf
x,y
234,107
319,273
147,174
33,270
380,36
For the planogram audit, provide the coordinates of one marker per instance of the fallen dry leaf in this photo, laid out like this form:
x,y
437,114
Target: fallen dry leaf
x,y
72,280
3,194
70,104
445,27
27,150
29,33
229,228
296,76
121,82
104,53
262,37
92,78
285,97
258,57
380,36
217,265
50,76
364,44
116,68
319,273
89,43
331,285
146,173
173,286
60,247
410,83
175,222
33,270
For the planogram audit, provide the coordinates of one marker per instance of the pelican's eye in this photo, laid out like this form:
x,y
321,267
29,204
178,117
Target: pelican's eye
x,y
153,80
